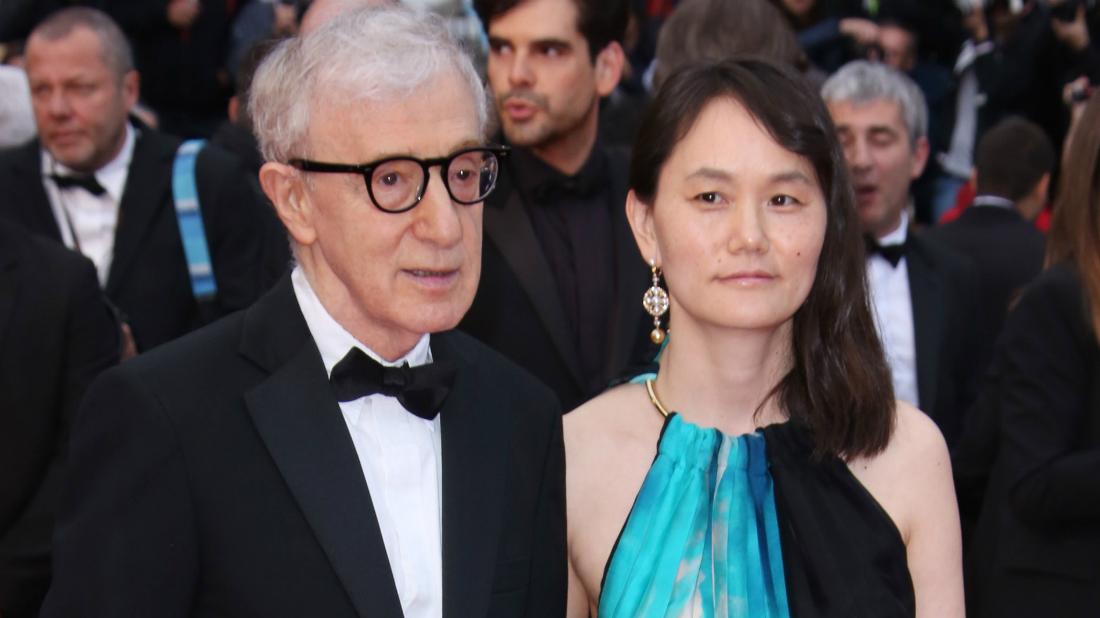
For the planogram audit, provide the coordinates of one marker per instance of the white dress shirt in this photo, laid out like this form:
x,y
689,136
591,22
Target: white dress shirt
x,y
400,456
87,222
894,315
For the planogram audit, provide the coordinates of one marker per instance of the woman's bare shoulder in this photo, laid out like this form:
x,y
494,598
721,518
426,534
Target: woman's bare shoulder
x,y
621,414
914,465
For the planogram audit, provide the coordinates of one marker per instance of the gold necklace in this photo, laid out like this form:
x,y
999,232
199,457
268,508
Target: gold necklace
x,y
651,388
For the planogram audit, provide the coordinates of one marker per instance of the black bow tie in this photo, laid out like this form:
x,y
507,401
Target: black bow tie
x,y
421,390
892,253
88,183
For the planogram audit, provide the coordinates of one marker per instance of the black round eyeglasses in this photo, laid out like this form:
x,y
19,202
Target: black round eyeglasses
x,y
397,184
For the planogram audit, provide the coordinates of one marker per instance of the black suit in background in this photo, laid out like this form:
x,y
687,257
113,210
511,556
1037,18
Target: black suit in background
x,y
56,334
519,310
148,278
1007,252
215,476
183,71
1036,549
943,289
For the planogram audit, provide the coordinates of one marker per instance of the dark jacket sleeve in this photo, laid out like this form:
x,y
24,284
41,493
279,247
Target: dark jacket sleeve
x,y
126,538
90,344
1047,414
549,570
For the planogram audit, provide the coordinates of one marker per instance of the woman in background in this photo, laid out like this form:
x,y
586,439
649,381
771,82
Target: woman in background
x,y
841,505
1037,545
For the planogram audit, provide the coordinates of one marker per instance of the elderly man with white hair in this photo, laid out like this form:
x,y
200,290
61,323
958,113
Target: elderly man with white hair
x,y
336,450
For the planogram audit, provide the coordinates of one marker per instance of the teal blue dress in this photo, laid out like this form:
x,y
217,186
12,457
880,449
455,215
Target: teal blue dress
x,y
702,538
754,526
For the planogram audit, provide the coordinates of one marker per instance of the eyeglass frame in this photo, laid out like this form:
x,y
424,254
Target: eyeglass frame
x,y
366,170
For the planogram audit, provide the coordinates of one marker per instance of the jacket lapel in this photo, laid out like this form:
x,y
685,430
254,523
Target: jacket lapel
x,y
926,293
300,423
35,212
9,289
632,282
509,228
147,190
473,472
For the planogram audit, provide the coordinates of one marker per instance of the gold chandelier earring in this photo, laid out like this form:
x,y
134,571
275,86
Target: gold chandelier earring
x,y
655,302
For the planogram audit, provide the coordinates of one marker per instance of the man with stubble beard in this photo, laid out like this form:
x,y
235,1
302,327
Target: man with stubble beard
x,y
562,279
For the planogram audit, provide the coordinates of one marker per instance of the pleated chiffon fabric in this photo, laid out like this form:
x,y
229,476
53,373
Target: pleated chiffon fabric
x,y
702,538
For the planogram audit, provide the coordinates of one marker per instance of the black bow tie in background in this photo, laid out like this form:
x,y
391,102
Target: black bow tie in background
x,y
88,183
421,390
892,253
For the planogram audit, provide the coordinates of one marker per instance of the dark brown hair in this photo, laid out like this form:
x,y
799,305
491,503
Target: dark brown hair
x,y
839,384
599,21
700,30
1074,234
1012,158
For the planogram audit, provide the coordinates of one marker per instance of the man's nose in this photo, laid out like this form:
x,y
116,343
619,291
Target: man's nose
x,y
520,73
438,216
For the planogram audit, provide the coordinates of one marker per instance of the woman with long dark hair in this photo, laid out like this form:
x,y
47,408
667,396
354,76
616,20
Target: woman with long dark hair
x,y
1037,545
766,470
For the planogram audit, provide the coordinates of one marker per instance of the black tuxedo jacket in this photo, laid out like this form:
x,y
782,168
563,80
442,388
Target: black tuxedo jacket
x,y
518,310
215,476
943,289
148,279
1036,549
1007,252
56,334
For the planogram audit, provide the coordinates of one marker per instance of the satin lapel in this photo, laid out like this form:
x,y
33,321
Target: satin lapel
x,y
926,292
509,228
301,425
147,190
633,279
473,484
35,212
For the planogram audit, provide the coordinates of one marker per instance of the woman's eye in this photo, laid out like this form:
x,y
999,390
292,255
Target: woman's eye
x,y
783,200
709,197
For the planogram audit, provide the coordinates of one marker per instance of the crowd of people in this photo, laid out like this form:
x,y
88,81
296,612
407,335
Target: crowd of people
x,y
549,308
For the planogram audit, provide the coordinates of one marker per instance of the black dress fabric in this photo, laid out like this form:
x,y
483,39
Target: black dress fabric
x,y
842,554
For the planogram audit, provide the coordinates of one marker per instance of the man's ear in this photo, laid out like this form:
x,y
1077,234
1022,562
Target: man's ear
x,y
131,88
285,187
609,68
640,216
920,157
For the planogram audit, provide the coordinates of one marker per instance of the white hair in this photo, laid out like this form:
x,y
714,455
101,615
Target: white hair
x,y
374,55
16,113
861,82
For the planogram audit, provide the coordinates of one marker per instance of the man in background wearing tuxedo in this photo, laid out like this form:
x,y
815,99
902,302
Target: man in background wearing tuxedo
x,y
103,186
336,450
923,293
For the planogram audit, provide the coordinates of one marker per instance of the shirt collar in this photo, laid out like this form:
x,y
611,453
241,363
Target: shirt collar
x,y
898,236
541,180
993,200
112,175
333,340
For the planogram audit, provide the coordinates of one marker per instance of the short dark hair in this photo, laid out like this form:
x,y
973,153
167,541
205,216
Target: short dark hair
x,y
839,385
1012,158
599,21
116,49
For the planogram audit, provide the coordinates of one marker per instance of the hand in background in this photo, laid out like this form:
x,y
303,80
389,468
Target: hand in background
x,y
975,24
863,31
1073,34
183,13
